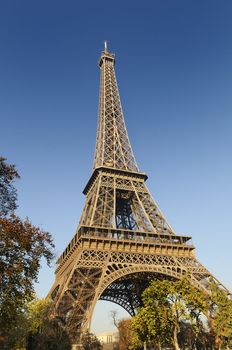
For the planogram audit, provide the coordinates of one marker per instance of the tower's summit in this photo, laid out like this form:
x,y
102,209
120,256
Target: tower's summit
x,y
106,55
113,147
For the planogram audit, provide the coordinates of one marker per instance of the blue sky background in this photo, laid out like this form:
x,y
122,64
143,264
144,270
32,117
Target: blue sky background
x,y
173,64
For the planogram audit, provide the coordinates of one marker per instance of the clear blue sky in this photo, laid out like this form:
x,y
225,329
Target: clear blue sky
x,y
174,69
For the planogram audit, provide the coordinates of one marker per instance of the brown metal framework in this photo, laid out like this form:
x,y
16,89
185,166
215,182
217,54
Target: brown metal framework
x,y
123,240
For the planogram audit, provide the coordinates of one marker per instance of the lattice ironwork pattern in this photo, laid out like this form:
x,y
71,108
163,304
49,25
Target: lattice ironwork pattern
x,y
123,240
113,148
124,201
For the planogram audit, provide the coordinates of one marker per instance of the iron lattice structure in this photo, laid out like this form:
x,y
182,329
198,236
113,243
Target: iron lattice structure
x,y
123,240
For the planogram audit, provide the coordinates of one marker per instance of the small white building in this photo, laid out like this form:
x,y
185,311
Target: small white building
x,y
107,339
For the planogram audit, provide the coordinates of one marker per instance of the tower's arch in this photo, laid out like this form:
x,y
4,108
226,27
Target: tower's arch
x,y
127,287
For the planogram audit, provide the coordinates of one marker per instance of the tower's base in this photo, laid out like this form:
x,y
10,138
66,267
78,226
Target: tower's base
x,y
116,265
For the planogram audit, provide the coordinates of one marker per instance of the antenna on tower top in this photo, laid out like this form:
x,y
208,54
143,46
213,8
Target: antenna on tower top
x,y
105,44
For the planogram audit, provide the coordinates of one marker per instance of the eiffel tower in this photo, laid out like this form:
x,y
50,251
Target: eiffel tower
x,y
123,240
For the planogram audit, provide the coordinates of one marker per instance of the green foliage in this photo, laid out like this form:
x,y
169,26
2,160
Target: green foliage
x,y
175,314
8,194
42,332
152,325
220,316
24,246
50,336
33,330
13,335
167,304
37,313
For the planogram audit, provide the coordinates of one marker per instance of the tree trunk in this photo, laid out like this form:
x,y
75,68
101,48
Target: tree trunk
x,y
145,346
175,340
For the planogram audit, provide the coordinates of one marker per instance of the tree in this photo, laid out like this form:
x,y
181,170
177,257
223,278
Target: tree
x,y
167,303
8,193
33,330
42,332
51,336
124,331
13,337
22,246
37,312
220,316
152,325
187,337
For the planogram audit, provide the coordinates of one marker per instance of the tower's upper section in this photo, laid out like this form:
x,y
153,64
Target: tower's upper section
x,y
113,147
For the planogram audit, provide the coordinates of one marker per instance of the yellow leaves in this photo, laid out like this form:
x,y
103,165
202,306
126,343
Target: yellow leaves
x,y
37,311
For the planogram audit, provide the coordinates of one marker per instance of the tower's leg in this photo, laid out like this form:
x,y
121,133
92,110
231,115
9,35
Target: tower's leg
x,y
77,300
